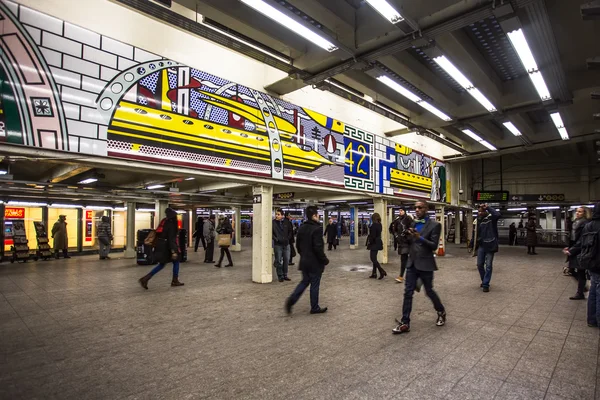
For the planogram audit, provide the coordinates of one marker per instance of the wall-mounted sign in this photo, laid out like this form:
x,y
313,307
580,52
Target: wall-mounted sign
x,y
537,197
89,216
257,199
492,195
14,212
283,196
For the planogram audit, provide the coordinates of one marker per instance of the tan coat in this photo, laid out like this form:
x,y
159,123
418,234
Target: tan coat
x,y
59,233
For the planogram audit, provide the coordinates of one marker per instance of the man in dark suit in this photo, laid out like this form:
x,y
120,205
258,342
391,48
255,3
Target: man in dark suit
x,y
313,260
424,239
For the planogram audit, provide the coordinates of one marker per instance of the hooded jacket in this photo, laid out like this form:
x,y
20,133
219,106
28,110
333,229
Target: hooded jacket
x,y
487,231
592,226
167,239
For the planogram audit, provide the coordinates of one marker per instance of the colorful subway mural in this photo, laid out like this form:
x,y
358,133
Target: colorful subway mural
x,y
67,88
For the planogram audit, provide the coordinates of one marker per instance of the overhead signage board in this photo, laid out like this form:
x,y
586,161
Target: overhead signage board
x,y
283,196
490,196
257,199
538,197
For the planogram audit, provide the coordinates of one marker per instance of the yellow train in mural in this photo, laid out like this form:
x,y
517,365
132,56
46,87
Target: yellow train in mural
x,y
408,180
162,128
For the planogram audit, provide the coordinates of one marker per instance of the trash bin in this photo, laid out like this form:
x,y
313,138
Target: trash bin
x,y
145,255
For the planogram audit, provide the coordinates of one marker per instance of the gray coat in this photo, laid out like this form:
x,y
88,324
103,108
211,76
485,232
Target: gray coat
x,y
421,250
208,230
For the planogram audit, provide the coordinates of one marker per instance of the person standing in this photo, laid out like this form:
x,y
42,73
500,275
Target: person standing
x,y
424,239
587,251
281,246
312,261
291,233
208,231
400,231
167,250
224,228
199,234
374,244
487,238
104,237
61,237
582,216
531,236
521,230
331,233
512,234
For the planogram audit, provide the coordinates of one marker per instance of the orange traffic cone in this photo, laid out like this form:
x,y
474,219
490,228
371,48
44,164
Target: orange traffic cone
x,y
440,251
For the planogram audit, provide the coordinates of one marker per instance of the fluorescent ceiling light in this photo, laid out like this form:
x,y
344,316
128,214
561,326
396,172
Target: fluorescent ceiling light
x,y
412,97
3,172
88,181
207,191
386,10
517,38
463,81
155,187
516,209
229,35
588,206
190,179
478,139
511,127
558,122
290,23
27,203
548,208
146,209
65,206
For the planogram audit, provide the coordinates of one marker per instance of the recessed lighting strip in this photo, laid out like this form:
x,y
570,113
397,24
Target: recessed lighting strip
x,y
517,38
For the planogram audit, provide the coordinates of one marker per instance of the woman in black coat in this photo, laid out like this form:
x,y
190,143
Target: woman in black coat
x,y
582,217
512,234
224,228
331,233
374,244
166,250
531,236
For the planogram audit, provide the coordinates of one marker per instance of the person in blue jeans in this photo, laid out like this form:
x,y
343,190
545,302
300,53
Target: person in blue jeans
x,y
487,240
281,246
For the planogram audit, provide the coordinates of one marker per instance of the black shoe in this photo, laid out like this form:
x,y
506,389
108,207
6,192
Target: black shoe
x,y
592,325
218,265
578,296
383,275
208,262
67,257
401,328
319,311
486,289
373,276
286,279
441,319
229,265
288,306
534,254
280,279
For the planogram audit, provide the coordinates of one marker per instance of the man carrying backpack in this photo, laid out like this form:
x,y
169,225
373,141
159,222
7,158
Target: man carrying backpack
x,y
587,250
166,249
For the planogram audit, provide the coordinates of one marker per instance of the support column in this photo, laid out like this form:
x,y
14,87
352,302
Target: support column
x,y
325,219
439,216
354,227
159,210
549,219
130,251
262,234
457,227
469,219
236,240
381,209
389,221
558,216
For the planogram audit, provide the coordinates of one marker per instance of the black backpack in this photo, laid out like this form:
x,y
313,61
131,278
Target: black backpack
x,y
588,257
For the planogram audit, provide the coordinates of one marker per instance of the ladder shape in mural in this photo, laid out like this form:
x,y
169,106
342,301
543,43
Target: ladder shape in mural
x,y
274,138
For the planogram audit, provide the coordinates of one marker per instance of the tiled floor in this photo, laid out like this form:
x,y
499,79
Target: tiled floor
x,y
84,329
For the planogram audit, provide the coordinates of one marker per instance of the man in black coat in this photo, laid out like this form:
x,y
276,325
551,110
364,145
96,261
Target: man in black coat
x,y
424,236
331,232
166,250
313,260
281,246
199,234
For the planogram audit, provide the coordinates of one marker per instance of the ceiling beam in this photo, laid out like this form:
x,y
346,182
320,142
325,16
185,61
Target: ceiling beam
x,y
64,172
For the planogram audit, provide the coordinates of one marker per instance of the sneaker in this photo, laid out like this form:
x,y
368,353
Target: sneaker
x,y
319,311
399,279
441,319
578,296
401,328
486,289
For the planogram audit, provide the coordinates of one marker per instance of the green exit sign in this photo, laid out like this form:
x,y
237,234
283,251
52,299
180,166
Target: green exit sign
x,y
490,196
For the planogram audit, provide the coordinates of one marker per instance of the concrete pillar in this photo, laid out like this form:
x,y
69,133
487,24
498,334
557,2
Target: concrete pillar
x,y
381,208
549,219
354,227
558,216
389,221
457,226
469,221
130,234
236,219
262,234
159,209
325,219
439,216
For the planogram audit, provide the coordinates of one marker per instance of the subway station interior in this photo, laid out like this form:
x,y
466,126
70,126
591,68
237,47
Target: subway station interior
x,y
142,134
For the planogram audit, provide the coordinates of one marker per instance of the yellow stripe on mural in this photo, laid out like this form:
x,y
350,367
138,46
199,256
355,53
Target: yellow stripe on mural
x,y
325,121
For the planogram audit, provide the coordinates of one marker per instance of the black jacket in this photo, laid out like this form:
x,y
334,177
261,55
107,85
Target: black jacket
x,y
167,241
487,231
225,227
591,226
309,243
199,227
290,228
400,225
331,232
578,231
281,236
421,250
375,236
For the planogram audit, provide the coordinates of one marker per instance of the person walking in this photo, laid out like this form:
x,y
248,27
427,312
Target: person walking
x,y
400,231
512,234
331,233
587,251
531,236
166,250
521,229
208,230
281,246
374,244
292,239
199,234
104,237
487,238
61,237
582,217
312,261
424,240
224,228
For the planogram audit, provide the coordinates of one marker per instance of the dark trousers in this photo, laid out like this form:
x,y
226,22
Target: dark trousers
x,y
314,280
581,278
403,262
329,244
210,251
412,274
530,249
376,265
512,239
198,239
225,250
